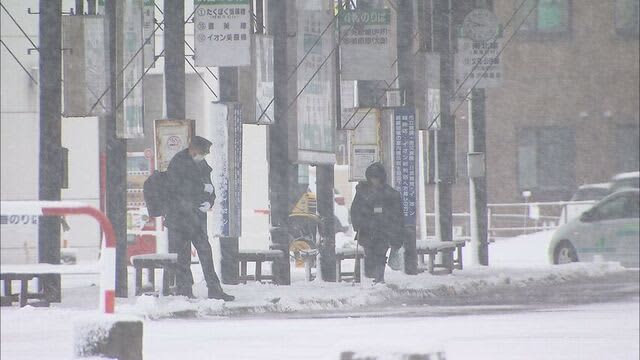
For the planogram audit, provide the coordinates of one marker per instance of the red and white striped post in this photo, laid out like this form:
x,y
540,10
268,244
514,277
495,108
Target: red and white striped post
x,y
65,208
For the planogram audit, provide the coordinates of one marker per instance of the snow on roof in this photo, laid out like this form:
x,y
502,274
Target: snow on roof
x,y
627,175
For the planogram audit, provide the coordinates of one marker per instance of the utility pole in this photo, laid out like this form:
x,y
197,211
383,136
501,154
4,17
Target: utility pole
x,y
442,17
278,12
50,157
406,75
174,76
324,187
116,151
478,185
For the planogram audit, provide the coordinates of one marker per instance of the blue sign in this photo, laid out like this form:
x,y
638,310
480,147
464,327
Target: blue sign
x,y
405,145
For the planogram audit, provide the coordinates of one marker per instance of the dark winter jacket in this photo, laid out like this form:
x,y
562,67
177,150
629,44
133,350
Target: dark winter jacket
x,y
376,214
186,180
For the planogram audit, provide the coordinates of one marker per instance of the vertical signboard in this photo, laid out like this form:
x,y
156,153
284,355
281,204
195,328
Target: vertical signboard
x,y
432,119
314,126
226,152
405,145
171,136
149,25
84,66
264,79
368,48
130,114
222,33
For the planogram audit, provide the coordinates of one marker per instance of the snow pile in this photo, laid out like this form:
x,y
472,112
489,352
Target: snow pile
x,y
89,333
318,296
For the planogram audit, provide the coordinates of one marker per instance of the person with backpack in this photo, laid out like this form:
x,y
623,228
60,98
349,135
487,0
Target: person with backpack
x,y
376,215
190,194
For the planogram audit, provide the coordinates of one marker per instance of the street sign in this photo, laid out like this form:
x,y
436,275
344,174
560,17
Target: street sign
x,y
405,150
226,153
478,60
368,48
222,33
361,157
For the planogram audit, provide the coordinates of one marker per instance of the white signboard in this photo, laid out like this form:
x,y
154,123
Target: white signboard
x,y
368,49
222,33
478,60
361,157
171,136
149,13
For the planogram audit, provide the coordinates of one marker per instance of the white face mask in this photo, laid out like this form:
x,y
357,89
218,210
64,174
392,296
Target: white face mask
x,y
198,158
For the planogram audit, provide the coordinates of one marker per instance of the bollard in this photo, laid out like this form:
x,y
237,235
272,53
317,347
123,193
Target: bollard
x,y
111,338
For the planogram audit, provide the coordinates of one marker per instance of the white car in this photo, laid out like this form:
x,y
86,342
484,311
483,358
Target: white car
x,y
609,231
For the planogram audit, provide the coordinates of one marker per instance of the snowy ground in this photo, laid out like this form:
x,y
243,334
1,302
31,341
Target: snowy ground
x,y
518,307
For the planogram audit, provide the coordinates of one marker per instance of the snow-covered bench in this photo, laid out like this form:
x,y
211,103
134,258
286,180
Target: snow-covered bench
x,y
151,262
258,257
349,253
451,254
48,277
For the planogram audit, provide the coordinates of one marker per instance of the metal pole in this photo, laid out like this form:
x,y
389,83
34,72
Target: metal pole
x,y
442,22
406,75
116,151
478,186
278,12
50,157
324,187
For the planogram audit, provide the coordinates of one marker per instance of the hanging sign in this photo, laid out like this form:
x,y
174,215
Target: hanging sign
x,y
368,49
130,97
364,142
405,146
313,124
149,26
264,80
478,62
84,66
222,33
226,176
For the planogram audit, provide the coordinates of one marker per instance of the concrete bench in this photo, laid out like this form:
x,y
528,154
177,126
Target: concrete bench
x,y
151,262
258,257
356,254
451,252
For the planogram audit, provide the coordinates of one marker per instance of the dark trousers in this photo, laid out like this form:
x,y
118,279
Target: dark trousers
x,y
180,240
375,261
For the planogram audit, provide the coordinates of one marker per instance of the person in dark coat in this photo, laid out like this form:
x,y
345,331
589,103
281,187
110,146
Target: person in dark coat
x,y
191,195
376,215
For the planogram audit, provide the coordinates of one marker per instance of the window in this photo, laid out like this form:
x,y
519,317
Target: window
x,y
627,15
547,18
624,206
627,147
546,157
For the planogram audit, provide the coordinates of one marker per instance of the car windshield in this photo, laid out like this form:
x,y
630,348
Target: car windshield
x,y
590,194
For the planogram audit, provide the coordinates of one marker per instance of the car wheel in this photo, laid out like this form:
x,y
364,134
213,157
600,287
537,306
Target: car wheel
x,y
564,253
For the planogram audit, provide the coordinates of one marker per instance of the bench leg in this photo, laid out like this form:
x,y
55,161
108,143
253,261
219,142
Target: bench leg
x,y
24,290
432,260
458,261
151,277
167,276
138,280
307,269
338,270
8,290
258,270
243,268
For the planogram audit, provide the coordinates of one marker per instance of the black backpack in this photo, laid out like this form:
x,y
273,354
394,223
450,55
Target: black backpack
x,y
156,192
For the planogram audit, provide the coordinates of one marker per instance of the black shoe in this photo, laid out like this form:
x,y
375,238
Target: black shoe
x,y
218,294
